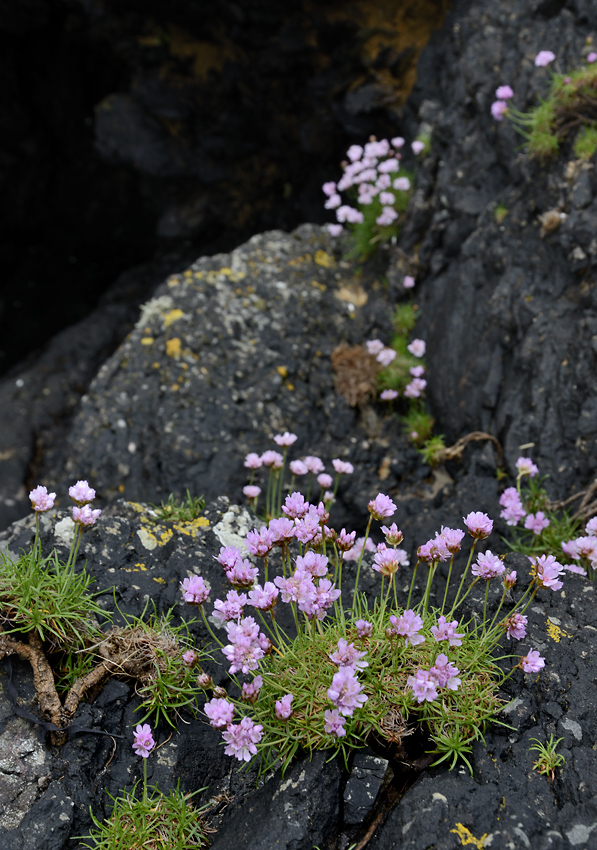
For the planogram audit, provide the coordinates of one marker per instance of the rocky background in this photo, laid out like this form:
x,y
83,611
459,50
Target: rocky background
x,y
234,347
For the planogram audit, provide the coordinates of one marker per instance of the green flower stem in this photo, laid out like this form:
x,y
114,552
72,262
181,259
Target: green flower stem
x,y
485,602
430,574
145,782
466,569
209,628
448,583
74,549
412,583
356,582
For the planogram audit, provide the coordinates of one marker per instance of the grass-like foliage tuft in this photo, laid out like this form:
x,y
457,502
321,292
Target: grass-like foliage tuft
x,y
549,760
152,821
183,510
47,596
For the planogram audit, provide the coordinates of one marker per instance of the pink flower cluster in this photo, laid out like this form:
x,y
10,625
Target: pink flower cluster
x,y
143,742
81,493
425,683
487,566
247,645
547,571
373,170
408,626
41,500
313,599
512,504
442,547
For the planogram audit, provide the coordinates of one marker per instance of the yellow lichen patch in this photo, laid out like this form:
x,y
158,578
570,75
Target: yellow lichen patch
x,y
318,285
188,273
121,488
554,631
141,566
173,281
155,365
172,316
324,259
165,537
289,386
298,261
191,528
138,568
282,370
173,347
146,340
466,837
159,579
212,275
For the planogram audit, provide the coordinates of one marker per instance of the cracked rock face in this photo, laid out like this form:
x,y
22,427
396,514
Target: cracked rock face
x,y
23,771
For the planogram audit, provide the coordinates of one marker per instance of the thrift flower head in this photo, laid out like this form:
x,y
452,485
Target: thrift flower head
x,y
415,388
547,571
81,493
342,467
143,742
510,579
417,347
591,57
407,625
417,371
532,662
220,712
386,356
543,58
408,282
397,142
498,109
329,188
283,708
334,229
504,93
516,626
272,459
423,685
345,691
241,739
394,536
251,491
590,528
297,467
325,481
354,153
334,723
453,538
364,628
525,466
479,525
252,461
194,589
345,540
264,598
487,566
536,522
513,510
41,500
388,395
347,656
190,657
447,631
401,184
418,147
355,553
250,690
374,346
314,464
382,507
232,608
285,439
387,561
85,516
445,673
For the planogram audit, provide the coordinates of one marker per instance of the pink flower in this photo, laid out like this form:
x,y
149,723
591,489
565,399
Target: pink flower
x,y
143,742
260,543
85,516
445,673
388,166
252,461
195,591
334,723
401,184
374,346
325,481
283,708
510,579
281,529
525,466
479,525
447,631
297,467
264,597
41,500
342,467
314,564
417,371
228,557
333,202
364,628
394,536
285,439
314,464
355,553
190,657
345,540
386,198
513,510
397,141
504,93
386,356
536,522
345,691
250,690
242,574
387,561
547,571
251,491
407,625
417,347
272,459
415,388
349,214
423,685
241,739
347,656
220,712
408,282
532,662
387,217
334,229
487,566
354,153
329,188
232,608
591,527
81,493
516,626
453,538
543,58
498,109
591,57
417,147
382,507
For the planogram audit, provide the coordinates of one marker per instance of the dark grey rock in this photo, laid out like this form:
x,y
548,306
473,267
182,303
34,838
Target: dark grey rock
x,y
362,787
